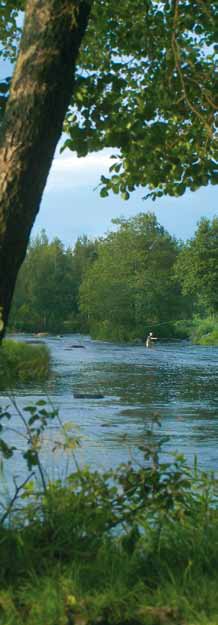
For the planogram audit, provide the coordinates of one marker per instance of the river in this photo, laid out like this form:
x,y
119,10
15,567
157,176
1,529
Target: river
x,y
175,380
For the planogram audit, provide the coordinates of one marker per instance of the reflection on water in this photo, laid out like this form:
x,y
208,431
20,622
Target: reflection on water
x,y
177,381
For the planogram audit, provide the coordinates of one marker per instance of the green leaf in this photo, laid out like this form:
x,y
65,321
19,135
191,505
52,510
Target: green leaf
x,y
104,192
125,195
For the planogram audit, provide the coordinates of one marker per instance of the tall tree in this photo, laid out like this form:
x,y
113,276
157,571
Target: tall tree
x,y
131,282
32,123
47,289
45,292
197,266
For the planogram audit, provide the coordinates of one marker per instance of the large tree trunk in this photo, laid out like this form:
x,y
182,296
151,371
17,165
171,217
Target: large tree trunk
x,y
40,94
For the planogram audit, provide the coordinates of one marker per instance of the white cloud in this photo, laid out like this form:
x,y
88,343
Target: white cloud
x,y
69,171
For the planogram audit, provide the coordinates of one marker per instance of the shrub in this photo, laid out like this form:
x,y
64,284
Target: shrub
x,y
205,331
23,362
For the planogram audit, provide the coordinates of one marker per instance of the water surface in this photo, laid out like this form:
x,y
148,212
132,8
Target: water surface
x,y
175,380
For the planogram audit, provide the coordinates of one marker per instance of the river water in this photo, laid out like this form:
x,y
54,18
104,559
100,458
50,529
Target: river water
x,y
175,380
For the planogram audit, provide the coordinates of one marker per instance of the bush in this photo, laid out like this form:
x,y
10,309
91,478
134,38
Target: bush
x,y
205,331
22,362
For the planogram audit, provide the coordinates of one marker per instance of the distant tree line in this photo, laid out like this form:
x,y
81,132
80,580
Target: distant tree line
x,y
137,277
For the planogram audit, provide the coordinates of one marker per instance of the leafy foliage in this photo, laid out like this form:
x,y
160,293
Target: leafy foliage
x,y
119,287
45,294
4,92
9,29
151,94
197,266
47,290
84,254
205,331
9,37
131,283
34,420
146,85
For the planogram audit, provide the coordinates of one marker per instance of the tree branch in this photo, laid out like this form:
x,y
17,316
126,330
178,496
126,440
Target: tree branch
x,y
17,491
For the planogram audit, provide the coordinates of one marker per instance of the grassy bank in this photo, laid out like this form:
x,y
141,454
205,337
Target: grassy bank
x,y
115,587
134,546
69,569
23,362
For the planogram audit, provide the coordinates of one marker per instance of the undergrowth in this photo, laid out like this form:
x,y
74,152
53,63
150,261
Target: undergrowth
x,y
136,545
199,331
205,331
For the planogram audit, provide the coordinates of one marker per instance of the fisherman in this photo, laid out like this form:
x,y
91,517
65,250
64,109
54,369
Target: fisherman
x,y
150,339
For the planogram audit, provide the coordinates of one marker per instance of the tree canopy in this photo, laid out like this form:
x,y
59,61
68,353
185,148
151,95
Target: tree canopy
x,y
46,279
118,287
47,292
142,75
197,266
146,84
132,282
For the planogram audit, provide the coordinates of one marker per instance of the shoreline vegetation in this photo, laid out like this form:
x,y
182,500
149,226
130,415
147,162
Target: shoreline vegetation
x,y
135,279
23,362
137,545
199,331
205,331
168,576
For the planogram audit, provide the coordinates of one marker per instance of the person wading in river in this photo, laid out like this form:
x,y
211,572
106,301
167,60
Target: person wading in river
x,y
150,340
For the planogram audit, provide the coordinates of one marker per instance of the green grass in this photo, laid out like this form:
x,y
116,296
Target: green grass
x,y
23,362
70,569
137,545
169,578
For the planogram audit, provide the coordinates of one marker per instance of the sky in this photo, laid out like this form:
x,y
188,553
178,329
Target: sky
x,y
71,205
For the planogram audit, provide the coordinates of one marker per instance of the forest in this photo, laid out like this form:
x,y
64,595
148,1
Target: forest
x,y
134,279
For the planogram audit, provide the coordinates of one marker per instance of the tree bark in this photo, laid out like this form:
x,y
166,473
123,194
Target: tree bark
x,y
41,89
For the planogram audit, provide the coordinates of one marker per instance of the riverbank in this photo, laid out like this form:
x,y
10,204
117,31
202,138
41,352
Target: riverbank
x,y
205,331
198,331
23,362
117,587
134,546
70,568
